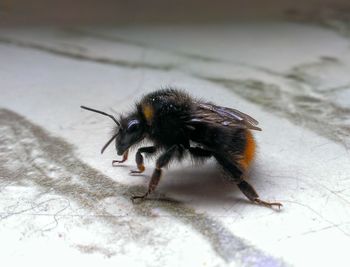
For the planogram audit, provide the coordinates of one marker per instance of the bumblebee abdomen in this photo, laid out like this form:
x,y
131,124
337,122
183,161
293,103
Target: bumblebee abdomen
x,y
249,150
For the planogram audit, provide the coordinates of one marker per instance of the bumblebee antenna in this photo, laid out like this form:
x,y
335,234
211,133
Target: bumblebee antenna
x,y
108,143
103,113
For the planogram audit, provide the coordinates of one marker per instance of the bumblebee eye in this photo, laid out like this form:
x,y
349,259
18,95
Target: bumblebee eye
x,y
133,125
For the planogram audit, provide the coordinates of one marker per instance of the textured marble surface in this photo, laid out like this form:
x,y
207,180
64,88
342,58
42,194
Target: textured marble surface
x,y
62,202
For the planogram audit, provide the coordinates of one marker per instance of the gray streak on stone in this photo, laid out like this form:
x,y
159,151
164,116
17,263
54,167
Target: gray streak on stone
x,y
83,56
29,155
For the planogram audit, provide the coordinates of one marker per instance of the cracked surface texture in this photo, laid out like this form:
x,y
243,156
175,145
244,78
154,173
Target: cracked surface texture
x,y
59,196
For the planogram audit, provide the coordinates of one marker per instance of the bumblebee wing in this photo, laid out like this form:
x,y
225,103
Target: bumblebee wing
x,y
229,117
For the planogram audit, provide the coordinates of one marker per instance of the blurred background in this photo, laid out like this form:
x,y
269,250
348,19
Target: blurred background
x,y
65,12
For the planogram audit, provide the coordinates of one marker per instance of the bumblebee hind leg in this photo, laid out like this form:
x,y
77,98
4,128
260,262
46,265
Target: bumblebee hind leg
x,y
248,190
236,175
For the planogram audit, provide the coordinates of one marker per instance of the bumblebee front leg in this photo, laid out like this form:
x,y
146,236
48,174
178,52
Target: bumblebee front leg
x,y
139,157
162,161
125,157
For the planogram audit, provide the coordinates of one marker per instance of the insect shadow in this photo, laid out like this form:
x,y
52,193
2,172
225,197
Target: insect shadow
x,y
206,184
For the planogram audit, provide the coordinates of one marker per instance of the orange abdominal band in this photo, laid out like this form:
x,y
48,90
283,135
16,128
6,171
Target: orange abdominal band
x,y
249,150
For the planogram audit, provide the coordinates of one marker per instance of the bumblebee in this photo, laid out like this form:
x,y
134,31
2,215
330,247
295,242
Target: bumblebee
x,y
178,125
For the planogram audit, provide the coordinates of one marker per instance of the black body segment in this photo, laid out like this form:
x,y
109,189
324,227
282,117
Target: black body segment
x,y
200,152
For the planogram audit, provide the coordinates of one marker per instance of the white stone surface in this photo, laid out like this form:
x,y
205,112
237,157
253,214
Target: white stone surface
x,y
61,202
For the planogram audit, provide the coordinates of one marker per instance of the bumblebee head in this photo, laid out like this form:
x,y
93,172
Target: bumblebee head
x,y
129,131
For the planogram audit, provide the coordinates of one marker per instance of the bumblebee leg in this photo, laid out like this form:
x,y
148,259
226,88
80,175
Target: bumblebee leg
x,y
236,175
200,152
125,157
162,161
139,157
251,194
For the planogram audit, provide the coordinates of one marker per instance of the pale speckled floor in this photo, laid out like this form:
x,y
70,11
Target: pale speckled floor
x,y
60,199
